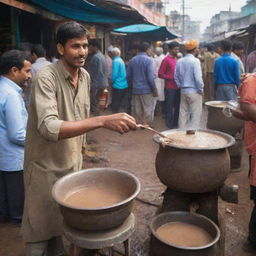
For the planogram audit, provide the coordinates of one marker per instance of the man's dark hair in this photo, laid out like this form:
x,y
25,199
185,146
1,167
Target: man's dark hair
x,y
95,43
237,46
210,47
13,58
70,30
144,46
172,45
226,45
39,50
135,46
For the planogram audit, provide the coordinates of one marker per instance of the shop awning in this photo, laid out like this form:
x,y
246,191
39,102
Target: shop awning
x,y
82,10
147,30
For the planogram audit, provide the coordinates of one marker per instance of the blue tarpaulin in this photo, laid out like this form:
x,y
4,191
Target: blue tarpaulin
x,y
137,28
155,32
81,10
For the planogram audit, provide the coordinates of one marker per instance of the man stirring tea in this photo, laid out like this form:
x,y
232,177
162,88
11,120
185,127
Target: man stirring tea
x,y
58,121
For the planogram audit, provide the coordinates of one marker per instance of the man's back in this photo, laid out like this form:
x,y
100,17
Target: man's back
x,y
98,70
188,74
140,74
226,70
13,122
39,64
209,59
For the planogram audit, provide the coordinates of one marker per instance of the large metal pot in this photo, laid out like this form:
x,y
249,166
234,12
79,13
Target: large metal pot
x,y
159,247
193,170
218,121
96,218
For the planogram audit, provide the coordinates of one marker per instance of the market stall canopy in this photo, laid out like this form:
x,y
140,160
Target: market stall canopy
x,y
147,30
89,12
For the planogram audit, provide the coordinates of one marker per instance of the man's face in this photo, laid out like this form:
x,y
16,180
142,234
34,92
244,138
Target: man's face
x,y
33,57
74,52
92,49
22,75
174,51
239,52
197,51
149,51
219,50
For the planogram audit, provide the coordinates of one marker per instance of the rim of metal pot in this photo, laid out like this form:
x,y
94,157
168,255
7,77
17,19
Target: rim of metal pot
x,y
212,102
215,240
231,140
138,187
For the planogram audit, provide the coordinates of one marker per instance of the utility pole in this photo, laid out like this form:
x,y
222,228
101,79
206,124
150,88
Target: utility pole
x,y
183,19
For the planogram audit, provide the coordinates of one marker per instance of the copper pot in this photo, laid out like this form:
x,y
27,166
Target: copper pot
x,y
96,218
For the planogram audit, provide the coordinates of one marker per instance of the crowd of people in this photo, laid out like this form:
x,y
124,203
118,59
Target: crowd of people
x,y
60,96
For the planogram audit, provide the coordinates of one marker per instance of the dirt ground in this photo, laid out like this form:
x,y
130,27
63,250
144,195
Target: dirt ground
x,y
135,152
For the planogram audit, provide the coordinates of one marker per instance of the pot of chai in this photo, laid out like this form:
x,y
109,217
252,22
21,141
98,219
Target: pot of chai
x,y
183,234
218,121
96,199
193,161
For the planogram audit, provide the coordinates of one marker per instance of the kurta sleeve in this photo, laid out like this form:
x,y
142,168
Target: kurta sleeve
x,y
247,90
45,98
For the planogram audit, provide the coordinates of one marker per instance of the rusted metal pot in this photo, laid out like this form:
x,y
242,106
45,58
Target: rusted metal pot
x,y
218,121
96,218
158,247
193,170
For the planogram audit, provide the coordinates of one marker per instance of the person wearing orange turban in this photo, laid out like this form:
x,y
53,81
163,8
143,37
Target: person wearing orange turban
x,y
188,77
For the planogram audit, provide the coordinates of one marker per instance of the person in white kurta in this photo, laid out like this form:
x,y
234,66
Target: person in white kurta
x,y
159,82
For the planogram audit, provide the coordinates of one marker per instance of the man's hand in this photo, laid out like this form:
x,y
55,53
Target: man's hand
x,y
155,93
120,122
239,114
243,77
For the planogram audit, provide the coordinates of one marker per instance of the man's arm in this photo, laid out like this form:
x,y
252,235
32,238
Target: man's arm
x,y
236,73
115,70
120,122
198,76
54,129
248,111
162,70
177,75
215,72
129,74
150,75
16,129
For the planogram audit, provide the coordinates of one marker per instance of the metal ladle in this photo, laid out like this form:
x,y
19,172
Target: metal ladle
x,y
152,130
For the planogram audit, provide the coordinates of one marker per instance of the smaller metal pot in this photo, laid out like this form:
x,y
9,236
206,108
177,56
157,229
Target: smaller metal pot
x,y
158,247
218,121
96,218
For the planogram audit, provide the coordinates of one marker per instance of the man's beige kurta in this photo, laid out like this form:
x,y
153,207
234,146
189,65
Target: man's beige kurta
x,y
53,100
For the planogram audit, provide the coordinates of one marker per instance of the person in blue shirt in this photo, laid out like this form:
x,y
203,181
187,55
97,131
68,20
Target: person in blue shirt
x,y
140,76
226,73
119,82
188,77
15,69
